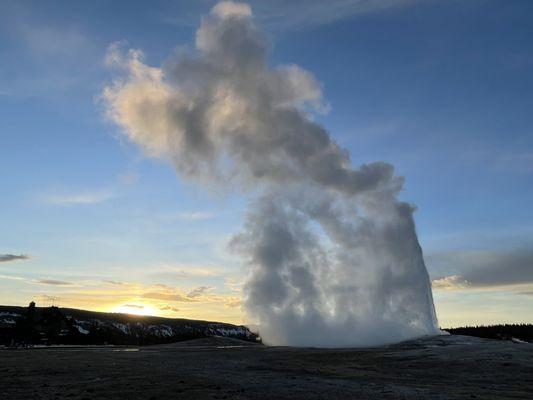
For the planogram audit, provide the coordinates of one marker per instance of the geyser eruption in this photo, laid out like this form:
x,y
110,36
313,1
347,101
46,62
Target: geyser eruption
x,y
333,256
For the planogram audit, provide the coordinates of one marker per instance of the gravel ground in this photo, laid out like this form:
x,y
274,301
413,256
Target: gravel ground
x,y
443,367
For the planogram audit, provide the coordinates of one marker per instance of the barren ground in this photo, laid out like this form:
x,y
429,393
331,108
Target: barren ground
x,y
444,367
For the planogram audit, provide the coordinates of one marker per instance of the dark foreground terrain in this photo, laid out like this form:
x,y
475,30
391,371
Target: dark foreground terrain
x,y
25,326
444,367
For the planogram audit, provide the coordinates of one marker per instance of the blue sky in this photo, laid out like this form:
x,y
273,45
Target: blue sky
x,y
443,90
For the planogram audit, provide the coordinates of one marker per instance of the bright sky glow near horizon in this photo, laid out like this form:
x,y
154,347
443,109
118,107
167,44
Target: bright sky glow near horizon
x,y
443,90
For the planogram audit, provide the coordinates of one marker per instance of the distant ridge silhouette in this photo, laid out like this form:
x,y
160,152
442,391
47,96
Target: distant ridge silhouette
x,y
21,326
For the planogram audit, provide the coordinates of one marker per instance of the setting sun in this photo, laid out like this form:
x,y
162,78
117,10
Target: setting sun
x,y
135,309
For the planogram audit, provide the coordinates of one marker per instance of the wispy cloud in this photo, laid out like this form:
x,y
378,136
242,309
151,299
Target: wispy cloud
x,y
12,278
165,292
49,40
166,272
169,308
514,160
120,283
133,306
53,282
298,14
78,198
295,14
199,291
13,257
161,286
233,301
167,296
189,216
52,57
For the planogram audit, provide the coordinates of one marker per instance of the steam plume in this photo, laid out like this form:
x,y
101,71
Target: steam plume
x,y
333,256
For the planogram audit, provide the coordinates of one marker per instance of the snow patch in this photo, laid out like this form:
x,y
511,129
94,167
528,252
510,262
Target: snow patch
x,y
81,330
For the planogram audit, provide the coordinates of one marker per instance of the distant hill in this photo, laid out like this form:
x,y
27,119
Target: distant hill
x,y
520,332
52,325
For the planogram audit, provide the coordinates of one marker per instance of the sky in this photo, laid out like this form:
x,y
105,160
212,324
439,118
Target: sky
x,y
443,90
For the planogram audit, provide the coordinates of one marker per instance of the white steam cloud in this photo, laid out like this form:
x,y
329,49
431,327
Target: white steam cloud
x,y
333,256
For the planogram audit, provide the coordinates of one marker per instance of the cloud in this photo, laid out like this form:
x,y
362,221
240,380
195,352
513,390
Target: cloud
x,y
167,296
116,283
169,308
167,272
162,286
53,41
13,257
133,306
78,198
450,283
477,269
53,58
52,282
296,14
164,292
12,278
199,291
501,160
233,302
299,14
190,216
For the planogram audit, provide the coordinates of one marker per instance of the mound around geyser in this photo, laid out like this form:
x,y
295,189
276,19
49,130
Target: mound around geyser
x,y
332,255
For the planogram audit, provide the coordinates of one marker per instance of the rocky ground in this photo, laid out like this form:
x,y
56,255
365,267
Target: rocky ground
x,y
444,367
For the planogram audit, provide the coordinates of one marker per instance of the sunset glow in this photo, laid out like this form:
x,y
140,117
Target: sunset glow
x,y
136,309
